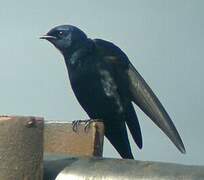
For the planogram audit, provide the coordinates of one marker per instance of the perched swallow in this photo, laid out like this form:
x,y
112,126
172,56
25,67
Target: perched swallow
x,y
106,84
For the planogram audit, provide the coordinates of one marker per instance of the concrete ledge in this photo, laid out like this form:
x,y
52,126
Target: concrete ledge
x,y
59,137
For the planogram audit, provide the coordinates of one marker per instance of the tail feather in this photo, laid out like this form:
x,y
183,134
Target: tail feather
x,y
133,125
116,133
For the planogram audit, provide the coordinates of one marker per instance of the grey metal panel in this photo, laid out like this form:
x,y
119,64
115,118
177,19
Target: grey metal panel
x,y
85,168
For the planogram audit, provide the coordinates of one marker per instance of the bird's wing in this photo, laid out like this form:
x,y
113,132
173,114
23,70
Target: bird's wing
x,y
140,93
144,97
117,63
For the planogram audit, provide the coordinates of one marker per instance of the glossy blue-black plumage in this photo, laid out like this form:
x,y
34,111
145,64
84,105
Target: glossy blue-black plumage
x,y
105,84
102,94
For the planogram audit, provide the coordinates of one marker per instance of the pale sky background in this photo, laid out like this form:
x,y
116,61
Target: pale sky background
x,y
162,38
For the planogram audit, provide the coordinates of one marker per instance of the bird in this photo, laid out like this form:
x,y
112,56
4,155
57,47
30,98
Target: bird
x,y
106,84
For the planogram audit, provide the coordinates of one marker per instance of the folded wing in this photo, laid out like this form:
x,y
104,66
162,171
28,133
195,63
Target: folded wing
x,y
144,97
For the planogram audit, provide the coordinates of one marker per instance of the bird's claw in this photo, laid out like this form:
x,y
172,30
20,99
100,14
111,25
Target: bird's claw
x,y
87,123
75,125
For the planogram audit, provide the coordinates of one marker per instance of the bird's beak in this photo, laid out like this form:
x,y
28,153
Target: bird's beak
x,y
47,37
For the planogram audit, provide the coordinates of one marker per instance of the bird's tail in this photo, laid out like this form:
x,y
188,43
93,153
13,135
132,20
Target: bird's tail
x,y
116,133
133,125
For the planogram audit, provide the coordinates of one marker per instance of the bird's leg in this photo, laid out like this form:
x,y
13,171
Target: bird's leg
x,y
87,124
75,124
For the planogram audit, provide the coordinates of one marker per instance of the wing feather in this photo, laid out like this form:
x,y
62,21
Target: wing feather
x,y
145,98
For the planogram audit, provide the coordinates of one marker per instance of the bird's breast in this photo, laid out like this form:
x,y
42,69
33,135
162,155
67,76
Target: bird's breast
x,y
96,89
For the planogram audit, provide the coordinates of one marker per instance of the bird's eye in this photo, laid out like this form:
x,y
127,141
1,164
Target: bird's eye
x,y
60,33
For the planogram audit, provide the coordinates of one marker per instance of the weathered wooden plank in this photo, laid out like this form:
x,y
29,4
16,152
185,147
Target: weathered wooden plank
x,y
21,148
59,137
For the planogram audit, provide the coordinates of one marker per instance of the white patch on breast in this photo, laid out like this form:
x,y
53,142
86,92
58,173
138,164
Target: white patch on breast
x,y
110,88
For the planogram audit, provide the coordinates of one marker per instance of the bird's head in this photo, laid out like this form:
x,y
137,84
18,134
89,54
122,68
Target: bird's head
x,y
66,38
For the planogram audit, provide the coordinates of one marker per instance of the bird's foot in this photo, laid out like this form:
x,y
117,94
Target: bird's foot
x,y
75,124
87,123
